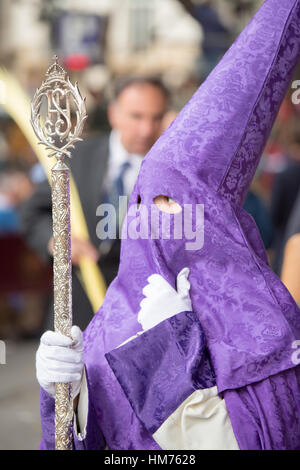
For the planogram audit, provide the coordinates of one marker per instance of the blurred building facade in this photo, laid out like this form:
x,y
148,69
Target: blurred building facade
x,y
140,36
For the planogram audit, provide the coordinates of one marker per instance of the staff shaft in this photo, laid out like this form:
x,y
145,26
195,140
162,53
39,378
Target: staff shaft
x,y
62,294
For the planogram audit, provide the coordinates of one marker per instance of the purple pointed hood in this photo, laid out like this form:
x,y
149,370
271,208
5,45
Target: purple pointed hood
x,y
219,136
208,156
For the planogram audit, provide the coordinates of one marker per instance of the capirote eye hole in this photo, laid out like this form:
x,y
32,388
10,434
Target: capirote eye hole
x,y
138,201
167,204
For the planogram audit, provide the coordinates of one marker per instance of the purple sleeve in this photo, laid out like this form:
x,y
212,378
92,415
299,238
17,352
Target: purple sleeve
x,y
94,439
266,415
47,421
160,368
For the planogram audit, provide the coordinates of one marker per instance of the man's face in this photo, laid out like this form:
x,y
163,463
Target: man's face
x,y
137,114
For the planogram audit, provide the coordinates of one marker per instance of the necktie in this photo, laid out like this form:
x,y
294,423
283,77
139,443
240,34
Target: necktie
x,y
117,188
111,196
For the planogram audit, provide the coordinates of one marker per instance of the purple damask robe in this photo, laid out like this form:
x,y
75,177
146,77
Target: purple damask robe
x,y
240,334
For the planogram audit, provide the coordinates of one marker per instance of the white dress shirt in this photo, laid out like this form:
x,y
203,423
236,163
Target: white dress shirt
x,y
117,157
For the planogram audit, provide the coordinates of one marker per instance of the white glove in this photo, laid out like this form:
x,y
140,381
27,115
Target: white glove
x,y
162,300
60,359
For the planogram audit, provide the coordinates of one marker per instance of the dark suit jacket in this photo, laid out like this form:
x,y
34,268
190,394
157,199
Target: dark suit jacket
x,y
89,168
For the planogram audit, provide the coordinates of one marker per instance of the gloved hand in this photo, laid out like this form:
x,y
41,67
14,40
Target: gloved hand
x,y
60,359
162,300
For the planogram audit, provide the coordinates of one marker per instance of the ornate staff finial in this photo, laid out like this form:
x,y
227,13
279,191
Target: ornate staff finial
x,y
57,132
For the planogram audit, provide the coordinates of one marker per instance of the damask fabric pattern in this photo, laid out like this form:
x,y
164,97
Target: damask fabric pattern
x,y
219,135
268,411
143,370
249,320
178,405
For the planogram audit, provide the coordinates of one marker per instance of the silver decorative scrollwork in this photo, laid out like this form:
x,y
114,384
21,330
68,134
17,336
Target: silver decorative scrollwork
x,y
58,91
62,295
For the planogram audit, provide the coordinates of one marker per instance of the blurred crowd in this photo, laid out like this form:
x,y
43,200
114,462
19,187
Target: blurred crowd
x,y
127,113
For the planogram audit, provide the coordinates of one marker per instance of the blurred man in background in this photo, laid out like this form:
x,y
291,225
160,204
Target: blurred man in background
x,y
104,167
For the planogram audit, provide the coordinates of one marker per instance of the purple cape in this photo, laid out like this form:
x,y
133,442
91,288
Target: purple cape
x,y
244,321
